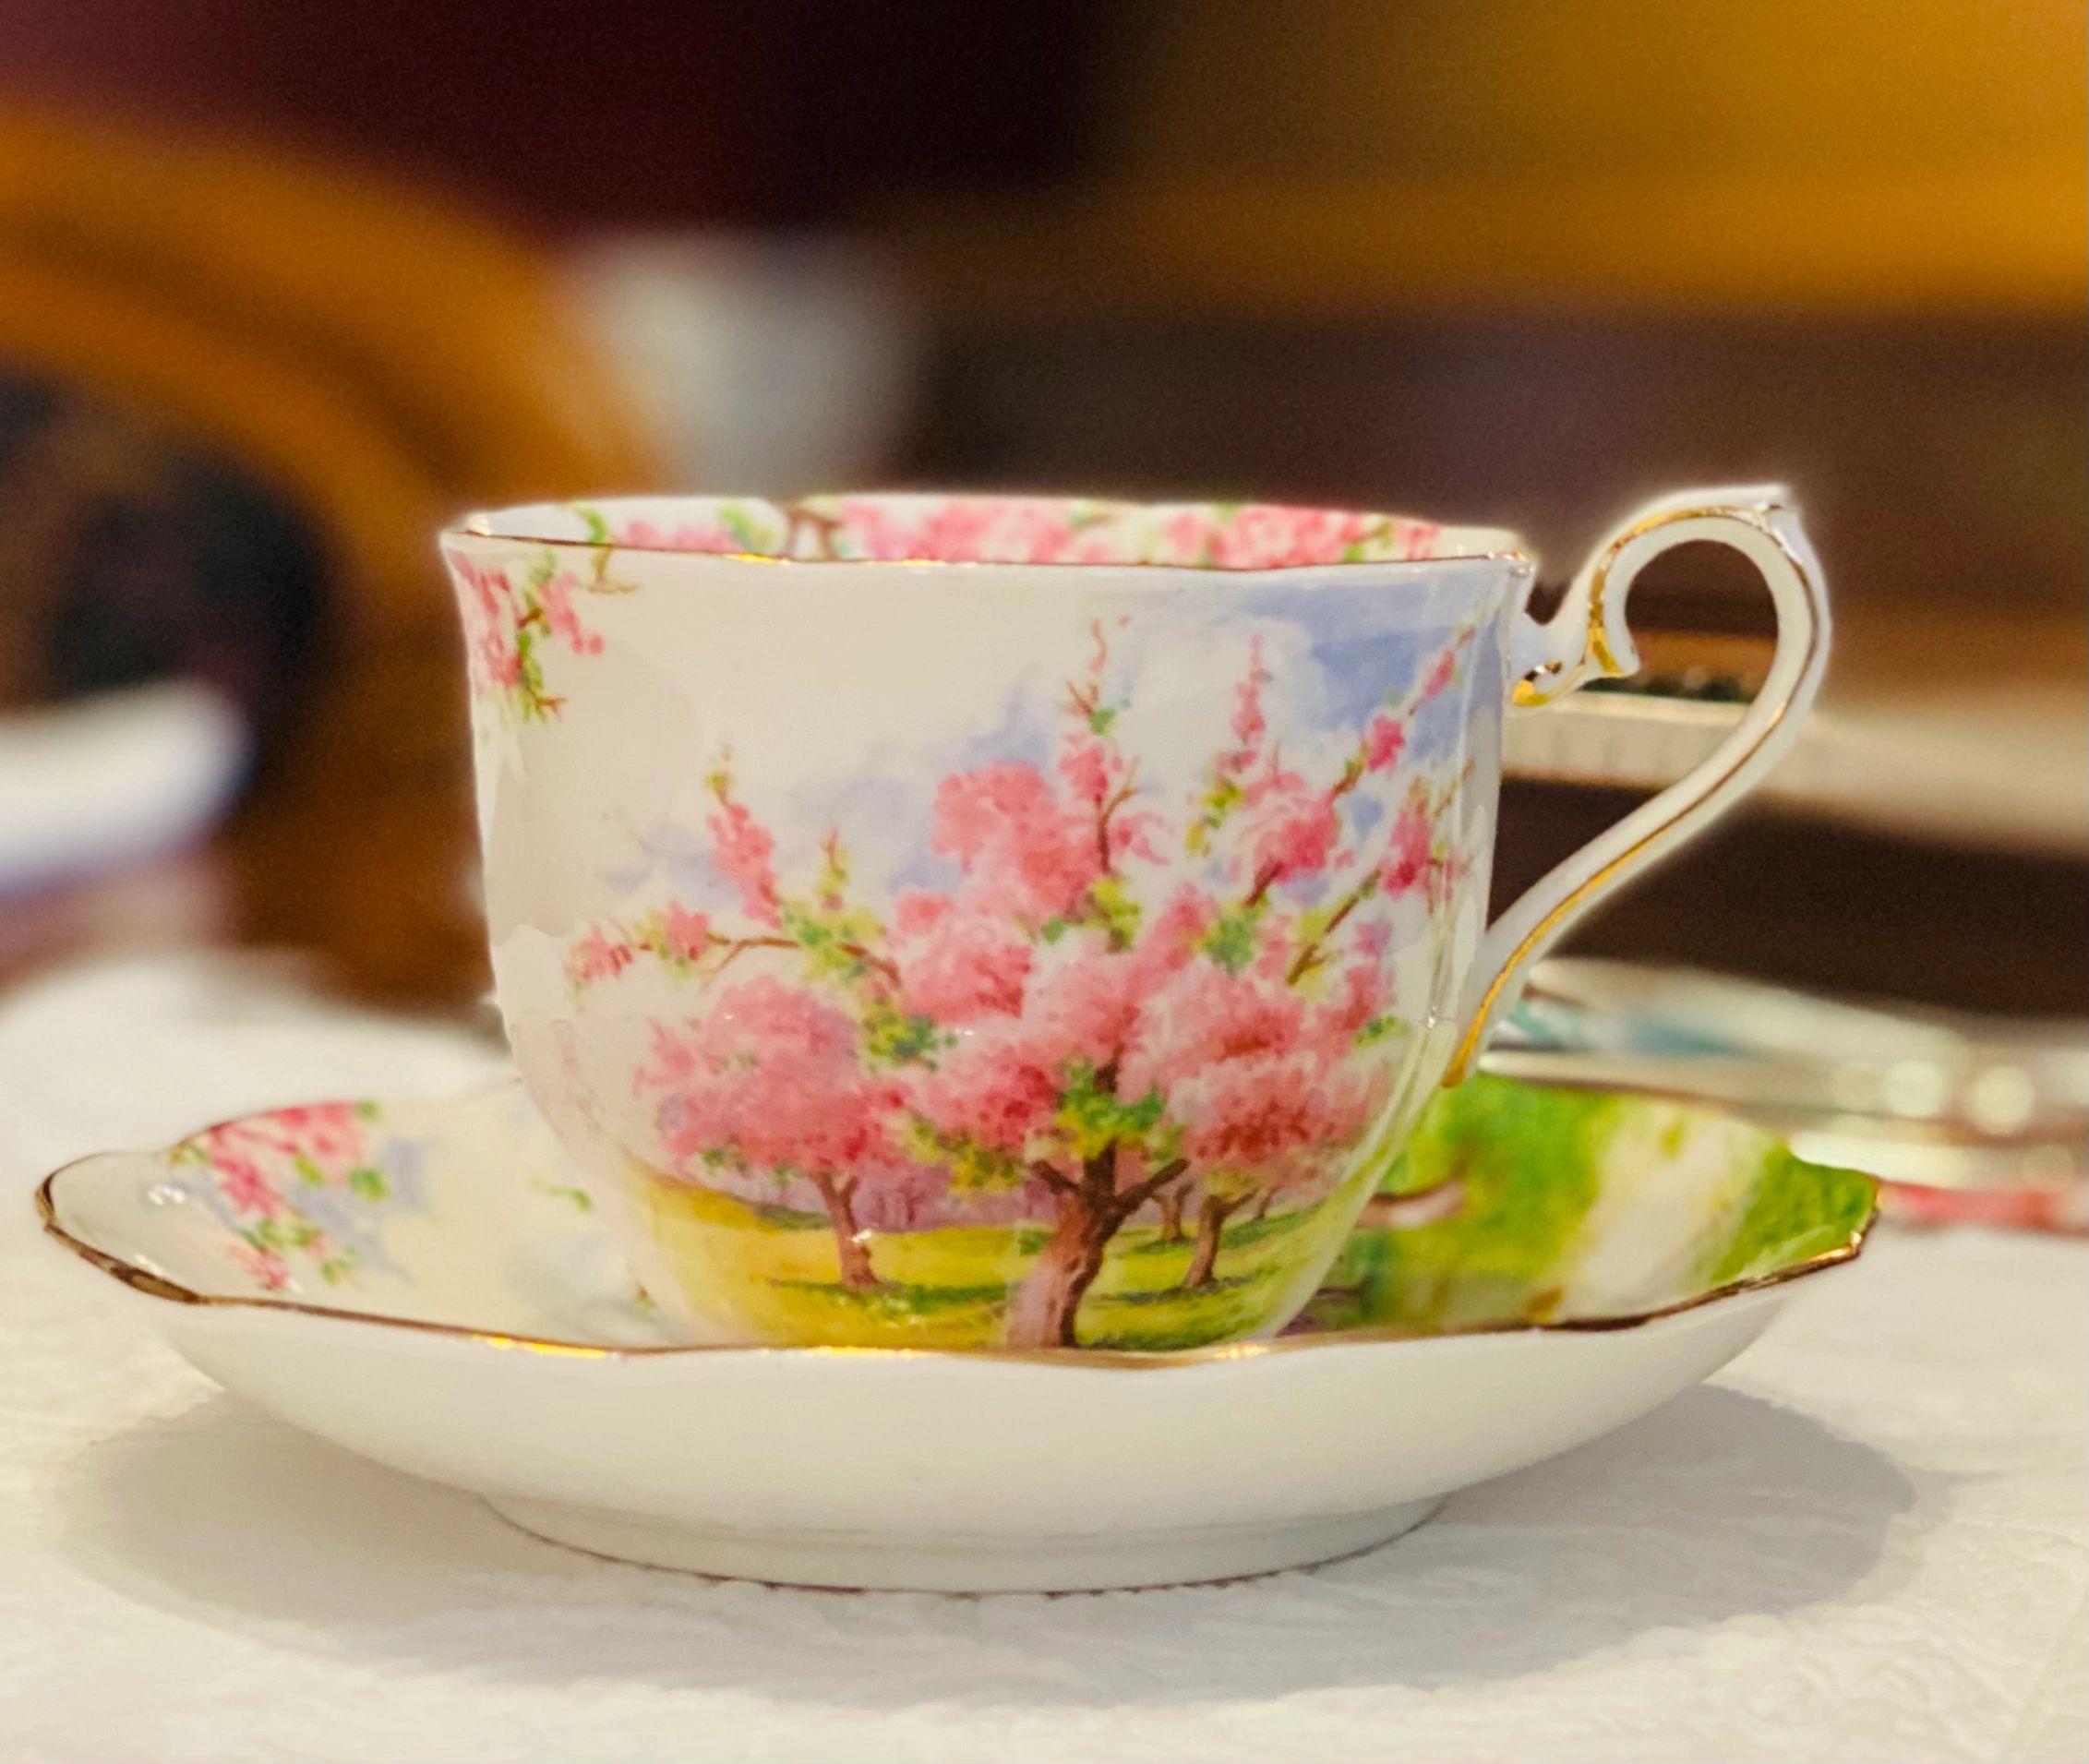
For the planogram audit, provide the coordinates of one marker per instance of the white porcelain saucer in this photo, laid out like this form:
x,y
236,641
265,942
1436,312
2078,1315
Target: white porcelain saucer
x,y
425,1283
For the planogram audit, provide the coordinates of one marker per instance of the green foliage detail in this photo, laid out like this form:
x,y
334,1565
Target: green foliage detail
x,y
974,1168
1231,942
1092,1117
1797,1211
738,521
1116,908
892,1038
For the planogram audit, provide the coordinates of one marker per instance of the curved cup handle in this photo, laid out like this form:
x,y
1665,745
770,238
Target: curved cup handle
x,y
1587,637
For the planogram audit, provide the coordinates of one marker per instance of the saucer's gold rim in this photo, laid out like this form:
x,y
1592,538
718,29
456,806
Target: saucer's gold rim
x,y
154,1286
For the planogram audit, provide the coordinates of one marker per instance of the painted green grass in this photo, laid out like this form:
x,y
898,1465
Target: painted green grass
x,y
1530,1165
777,1270
1795,1212
1526,1158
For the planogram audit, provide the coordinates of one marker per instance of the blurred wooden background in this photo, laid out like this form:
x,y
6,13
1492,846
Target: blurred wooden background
x,y
1509,262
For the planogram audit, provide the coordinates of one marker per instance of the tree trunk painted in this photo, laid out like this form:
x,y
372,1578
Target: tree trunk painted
x,y
1260,1211
1172,1199
1211,1221
1043,1312
855,1270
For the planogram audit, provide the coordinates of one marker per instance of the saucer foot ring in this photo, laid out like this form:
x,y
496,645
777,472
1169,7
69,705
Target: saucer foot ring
x,y
931,1562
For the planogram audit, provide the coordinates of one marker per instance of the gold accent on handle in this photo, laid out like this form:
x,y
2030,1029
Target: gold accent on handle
x,y
1529,694
1756,516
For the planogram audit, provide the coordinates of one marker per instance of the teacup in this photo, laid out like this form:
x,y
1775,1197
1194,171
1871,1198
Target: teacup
x,y
1027,923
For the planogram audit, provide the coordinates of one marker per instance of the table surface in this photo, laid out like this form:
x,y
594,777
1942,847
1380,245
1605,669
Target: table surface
x,y
1867,1540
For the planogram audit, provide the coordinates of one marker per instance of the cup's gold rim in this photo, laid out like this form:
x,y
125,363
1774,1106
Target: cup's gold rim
x,y
1503,546
156,1286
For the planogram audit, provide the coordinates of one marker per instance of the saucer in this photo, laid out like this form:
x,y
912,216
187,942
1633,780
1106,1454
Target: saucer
x,y
427,1283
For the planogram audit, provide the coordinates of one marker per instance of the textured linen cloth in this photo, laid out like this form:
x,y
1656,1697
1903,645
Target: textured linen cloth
x,y
1863,1541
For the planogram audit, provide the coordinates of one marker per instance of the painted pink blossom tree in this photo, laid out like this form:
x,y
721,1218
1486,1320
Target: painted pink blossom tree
x,y
1111,1008
770,1080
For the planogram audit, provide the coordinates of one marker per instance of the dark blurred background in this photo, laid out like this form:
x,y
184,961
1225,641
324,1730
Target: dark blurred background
x,y
284,286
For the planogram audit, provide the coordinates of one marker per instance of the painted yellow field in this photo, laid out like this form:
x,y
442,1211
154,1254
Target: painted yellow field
x,y
776,1274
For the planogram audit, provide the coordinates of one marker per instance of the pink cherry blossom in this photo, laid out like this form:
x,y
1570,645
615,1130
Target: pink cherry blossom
x,y
596,956
992,1090
686,537
1090,770
1004,825
1134,832
742,851
246,1187
486,595
1384,741
328,1136
1281,1119
1000,529
1249,723
1416,538
1273,946
1292,829
770,1073
556,597
873,529
327,1133
266,1265
1081,1002
1440,674
1361,993
1266,536
1407,862
1246,1113
1255,538
960,529
686,934
486,601
1187,535
1203,1015
1169,939
957,961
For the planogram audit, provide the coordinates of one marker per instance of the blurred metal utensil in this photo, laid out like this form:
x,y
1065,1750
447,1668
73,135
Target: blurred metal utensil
x,y
1935,1099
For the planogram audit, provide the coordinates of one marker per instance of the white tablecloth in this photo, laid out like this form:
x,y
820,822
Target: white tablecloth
x,y
1865,1541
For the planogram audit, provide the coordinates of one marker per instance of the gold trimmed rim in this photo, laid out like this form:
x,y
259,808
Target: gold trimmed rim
x,y
1512,556
155,1286
1504,545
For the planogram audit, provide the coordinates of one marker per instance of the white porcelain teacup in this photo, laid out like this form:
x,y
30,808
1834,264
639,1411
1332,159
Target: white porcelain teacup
x,y
971,920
